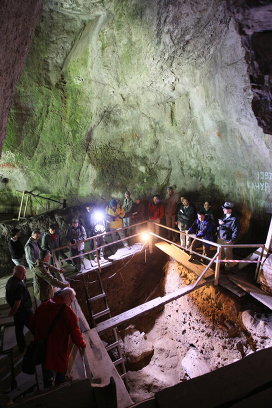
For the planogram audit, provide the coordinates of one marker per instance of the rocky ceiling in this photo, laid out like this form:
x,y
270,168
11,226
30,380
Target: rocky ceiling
x,y
140,94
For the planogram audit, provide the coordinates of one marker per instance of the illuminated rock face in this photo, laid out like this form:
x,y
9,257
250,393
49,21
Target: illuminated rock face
x,y
140,95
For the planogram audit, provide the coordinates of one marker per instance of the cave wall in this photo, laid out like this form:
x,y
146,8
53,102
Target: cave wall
x,y
140,95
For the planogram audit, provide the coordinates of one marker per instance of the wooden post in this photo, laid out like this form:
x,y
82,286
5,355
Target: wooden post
x,y
27,197
21,205
150,242
266,251
217,267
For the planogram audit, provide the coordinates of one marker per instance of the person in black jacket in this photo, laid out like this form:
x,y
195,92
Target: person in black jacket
x,y
18,298
16,248
185,217
228,231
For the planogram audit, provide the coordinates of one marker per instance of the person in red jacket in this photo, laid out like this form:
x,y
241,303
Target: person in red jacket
x,y
65,327
156,212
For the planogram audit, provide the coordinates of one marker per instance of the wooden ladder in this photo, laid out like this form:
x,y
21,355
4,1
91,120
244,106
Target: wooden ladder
x,y
99,311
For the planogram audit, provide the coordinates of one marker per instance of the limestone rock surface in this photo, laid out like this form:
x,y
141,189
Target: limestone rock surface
x,y
136,346
140,95
194,364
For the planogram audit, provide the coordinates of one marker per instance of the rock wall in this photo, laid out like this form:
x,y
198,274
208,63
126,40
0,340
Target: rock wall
x,y
140,95
17,25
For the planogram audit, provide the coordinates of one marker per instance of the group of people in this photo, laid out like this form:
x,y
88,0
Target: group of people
x,y
173,210
53,321
176,212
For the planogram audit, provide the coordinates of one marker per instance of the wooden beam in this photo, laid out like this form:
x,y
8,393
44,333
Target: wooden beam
x,y
180,256
97,361
253,290
152,304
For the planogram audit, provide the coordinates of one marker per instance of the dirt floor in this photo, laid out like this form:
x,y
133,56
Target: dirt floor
x,y
195,334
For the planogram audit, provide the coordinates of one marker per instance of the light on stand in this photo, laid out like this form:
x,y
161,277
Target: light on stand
x,y
145,236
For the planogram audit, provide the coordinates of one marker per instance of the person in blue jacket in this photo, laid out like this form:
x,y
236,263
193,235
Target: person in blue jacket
x,y
202,228
228,231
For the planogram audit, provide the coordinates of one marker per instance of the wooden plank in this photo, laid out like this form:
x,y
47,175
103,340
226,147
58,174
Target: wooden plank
x,y
182,257
152,304
232,287
253,290
97,361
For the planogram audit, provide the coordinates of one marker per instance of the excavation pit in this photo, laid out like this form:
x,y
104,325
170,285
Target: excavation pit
x,y
195,334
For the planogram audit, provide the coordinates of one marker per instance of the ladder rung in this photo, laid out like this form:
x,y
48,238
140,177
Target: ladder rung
x,y
119,361
94,298
102,313
112,346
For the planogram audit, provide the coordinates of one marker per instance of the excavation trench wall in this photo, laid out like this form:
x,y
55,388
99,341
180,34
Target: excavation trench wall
x,y
195,334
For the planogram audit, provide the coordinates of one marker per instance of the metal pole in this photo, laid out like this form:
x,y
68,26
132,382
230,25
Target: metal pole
x,y
217,267
145,255
21,205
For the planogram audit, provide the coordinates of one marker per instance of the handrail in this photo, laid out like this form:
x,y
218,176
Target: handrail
x,y
216,258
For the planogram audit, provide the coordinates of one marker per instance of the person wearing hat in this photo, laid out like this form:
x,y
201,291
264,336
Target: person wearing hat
x,y
227,231
33,248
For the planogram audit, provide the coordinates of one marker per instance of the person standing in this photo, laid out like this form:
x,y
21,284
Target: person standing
x,y
44,281
228,231
51,241
127,207
207,208
76,234
57,314
33,248
18,298
114,215
202,228
155,212
185,218
170,206
138,213
16,248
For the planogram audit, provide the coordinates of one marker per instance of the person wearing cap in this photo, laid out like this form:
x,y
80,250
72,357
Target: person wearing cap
x,y
33,248
76,234
114,217
43,279
18,298
170,204
57,312
227,231
202,228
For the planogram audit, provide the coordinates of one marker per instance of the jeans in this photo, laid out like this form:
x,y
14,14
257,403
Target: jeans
x,y
77,261
22,318
184,239
121,234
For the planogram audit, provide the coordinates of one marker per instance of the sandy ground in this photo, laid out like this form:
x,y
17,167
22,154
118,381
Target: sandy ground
x,y
197,333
